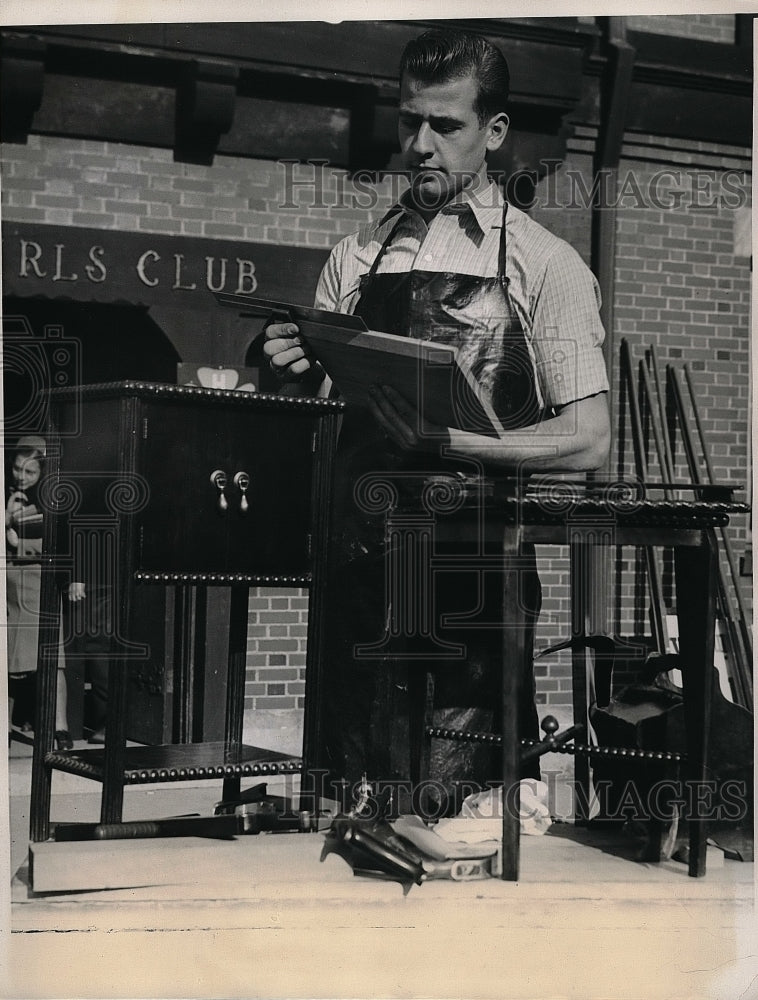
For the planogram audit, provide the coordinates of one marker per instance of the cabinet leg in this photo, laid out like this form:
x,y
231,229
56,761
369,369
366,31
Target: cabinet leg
x,y
235,690
41,791
112,803
231,789
47,671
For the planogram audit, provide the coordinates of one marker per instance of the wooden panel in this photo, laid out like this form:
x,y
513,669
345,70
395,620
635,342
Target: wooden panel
x,y
351,49
297,83
90,459
149,709
690,114
145,113
706,86
23,73
269,129
184,530
122,110
669,55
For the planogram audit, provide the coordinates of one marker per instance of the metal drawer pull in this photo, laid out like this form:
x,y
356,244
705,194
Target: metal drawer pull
x,y
218,478
242,480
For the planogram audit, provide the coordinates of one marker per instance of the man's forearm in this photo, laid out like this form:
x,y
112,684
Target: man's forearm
x,y
576,440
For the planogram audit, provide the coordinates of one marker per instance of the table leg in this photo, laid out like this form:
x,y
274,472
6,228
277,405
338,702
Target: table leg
x,y
420,715
189,663
514,640
579,555
695,568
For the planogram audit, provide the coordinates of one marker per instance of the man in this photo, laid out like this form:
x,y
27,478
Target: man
x,y
450,263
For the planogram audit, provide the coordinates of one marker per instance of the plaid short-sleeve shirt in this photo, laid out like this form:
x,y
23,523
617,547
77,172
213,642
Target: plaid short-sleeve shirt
x,y
553,293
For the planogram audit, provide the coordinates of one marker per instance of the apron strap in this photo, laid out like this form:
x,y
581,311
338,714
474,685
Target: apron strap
x,y
383,247
502,277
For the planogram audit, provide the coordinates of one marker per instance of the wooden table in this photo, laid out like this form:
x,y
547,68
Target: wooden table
x,y
503,515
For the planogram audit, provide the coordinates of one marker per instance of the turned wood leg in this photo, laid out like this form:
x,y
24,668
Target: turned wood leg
x,y
44,727
514,642
695,568
235,691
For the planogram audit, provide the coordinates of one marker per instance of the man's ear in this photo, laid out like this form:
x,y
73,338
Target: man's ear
x,y
498,129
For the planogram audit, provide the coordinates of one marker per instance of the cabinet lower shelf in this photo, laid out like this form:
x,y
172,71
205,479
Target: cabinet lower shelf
x,y
180,762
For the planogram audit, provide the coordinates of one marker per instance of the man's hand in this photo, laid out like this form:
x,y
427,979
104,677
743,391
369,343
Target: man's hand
x,y
403,424
286,352
76,591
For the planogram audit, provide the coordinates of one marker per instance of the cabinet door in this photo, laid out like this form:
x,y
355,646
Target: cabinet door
x,y
258,525
273,450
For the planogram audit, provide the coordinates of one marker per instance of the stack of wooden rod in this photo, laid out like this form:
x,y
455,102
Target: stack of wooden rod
x,y
658,420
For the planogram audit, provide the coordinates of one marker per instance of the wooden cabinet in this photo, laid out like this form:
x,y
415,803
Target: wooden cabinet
x,y
179,488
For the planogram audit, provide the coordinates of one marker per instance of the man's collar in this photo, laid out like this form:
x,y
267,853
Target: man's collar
x,y
485,203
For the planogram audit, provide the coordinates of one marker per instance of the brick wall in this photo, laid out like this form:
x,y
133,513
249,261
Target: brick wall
x,y
682,283
705,27
276,641
558,208
114,186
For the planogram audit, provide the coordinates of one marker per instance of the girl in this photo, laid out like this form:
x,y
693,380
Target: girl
x,y
23,538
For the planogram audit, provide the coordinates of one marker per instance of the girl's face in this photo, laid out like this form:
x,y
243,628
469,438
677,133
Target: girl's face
x,y
26,472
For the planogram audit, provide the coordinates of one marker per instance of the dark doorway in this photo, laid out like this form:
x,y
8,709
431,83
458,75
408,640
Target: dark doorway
x,y
49,343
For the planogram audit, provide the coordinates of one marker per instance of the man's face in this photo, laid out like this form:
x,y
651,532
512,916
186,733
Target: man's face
x,y
443,144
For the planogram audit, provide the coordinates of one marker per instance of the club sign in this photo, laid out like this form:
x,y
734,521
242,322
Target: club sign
x,y
104,265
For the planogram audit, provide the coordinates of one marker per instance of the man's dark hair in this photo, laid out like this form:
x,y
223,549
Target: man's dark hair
x,y
445,54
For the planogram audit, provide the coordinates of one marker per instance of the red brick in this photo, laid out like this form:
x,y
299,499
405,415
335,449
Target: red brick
x,y
278,617
280,674
277,645
286,701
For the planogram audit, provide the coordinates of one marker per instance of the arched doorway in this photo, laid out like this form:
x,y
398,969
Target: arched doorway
x,y
54,342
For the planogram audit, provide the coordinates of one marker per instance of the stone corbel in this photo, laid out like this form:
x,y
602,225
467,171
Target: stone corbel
x,y
22,71
373,129
205,101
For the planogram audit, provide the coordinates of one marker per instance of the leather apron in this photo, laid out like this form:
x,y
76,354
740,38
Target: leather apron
x,y
367,699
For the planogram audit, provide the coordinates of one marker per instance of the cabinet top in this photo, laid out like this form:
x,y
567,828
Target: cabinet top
x,y
161,390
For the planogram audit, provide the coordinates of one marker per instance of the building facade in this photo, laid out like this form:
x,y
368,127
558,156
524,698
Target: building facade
x,y
146,166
